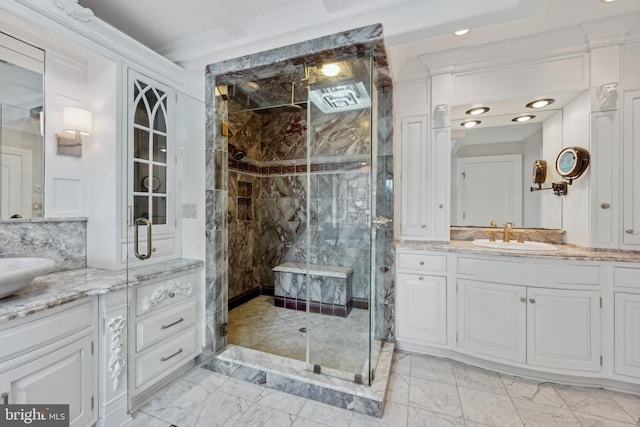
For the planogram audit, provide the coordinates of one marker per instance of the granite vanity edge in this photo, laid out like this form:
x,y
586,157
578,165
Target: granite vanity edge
x,y
59,219
567,252
62,287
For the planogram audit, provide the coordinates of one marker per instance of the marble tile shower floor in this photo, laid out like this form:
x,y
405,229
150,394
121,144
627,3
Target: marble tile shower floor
x,y
422,391
336,343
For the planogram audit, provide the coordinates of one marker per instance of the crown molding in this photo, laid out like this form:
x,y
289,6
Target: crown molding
x,y
71,20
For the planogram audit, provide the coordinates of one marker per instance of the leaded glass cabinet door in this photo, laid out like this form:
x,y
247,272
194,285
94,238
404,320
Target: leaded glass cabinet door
x,y
151,149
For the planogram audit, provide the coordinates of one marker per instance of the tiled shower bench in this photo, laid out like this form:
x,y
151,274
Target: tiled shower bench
x,y
330,288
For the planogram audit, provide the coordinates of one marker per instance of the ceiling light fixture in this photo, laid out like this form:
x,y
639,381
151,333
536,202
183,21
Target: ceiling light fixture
x,y
607,1
330,70
470,123
461,32
540,103
523,118
477,110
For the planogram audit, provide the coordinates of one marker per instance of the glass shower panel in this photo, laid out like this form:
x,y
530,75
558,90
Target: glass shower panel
x,y
341,172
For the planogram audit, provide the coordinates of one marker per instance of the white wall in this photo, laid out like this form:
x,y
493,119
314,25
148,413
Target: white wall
x,y
576,204
550,204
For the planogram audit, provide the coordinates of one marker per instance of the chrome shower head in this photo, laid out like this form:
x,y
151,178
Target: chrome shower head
x,y
239,155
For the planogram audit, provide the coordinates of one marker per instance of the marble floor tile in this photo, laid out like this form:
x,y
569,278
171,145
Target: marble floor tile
x,y
432,368
282,401
478,379
303,422
176,401
398,389
419,417
629,403
434,396
593,401
539,415
394,415
533,391
588,420
140,419
321,413
488,408
219,409
206,378
258,415
243,389
401,363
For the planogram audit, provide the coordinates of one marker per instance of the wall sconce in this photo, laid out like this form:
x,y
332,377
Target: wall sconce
x,y
77,122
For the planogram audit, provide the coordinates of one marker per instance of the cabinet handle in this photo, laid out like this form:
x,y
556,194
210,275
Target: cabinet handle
x,y
424,225
532,301
605,205
629,231
421,278
523,299
164,359
5,398
136,225
421,263
172,324
172,294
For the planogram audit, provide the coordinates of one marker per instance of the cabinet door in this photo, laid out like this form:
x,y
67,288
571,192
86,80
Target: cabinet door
x,y
61,377
631,173
563,329
152,153
492,319
422,314
627,335
413,177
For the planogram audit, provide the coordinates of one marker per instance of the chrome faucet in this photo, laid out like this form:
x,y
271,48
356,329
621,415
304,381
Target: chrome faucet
x,y
506,235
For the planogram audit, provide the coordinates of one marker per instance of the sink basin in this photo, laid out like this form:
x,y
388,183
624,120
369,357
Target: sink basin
x,y
515,246
16,273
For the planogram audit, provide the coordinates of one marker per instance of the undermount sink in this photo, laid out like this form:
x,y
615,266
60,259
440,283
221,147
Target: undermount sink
x,y
515,246
16,273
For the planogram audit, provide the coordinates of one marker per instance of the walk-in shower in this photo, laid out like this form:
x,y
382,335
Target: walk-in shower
x,y
305,272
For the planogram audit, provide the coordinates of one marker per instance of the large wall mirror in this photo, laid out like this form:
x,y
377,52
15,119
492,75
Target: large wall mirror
x,y
21,129
492,163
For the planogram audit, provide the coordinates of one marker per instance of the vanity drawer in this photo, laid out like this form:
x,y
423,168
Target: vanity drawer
x,y
526,272
45,328
159,362
176,289
422,262
155,328
627,277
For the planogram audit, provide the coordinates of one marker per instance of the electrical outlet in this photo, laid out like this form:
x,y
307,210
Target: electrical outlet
x,y
189,210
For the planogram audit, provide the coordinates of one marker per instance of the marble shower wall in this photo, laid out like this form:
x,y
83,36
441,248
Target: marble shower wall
x,y
63,240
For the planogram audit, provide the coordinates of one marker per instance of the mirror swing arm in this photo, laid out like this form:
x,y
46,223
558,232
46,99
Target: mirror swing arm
x,y
571,163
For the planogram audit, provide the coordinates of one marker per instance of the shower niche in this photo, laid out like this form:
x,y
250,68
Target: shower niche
x,y
245,201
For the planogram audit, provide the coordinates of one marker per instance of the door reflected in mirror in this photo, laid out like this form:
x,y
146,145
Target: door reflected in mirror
x,y
491,167
21,129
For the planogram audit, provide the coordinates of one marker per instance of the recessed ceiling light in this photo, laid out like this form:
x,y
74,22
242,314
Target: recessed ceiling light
x,y
539,103
461,32
477,110
607,1
523,118
249,86
330,70
470,123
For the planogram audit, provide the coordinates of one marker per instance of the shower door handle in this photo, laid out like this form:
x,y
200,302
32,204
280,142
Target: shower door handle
x,y
135,238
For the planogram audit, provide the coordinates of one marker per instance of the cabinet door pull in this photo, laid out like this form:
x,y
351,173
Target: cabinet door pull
x,y
5,398
172,324
532,301
424,226
421,263
523,299
629,231
421,278
164,359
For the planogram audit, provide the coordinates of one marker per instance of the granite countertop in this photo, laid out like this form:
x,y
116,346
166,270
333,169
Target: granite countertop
x,y
58,288
569,252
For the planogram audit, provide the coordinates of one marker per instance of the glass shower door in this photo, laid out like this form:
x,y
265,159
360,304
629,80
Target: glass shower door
x,y
341,172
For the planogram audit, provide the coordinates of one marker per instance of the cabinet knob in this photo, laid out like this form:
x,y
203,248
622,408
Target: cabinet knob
x,y
629,231
421,277
605,205
172,294
421,263
424,225
441,206
523,299
532,301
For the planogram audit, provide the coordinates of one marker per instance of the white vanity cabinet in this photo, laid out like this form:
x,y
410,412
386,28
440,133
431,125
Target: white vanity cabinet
x,y
421,298
413,177
164,332
630,176
627,321
49,358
